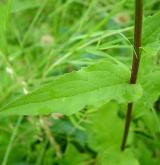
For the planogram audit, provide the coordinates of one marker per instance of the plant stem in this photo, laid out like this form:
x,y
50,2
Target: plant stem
x,y
51,139
135,62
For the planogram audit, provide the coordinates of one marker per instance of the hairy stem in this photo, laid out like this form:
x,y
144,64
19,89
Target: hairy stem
x,y
135,62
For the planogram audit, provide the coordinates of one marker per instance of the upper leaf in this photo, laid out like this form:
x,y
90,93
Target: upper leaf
x,y
151,29
67,94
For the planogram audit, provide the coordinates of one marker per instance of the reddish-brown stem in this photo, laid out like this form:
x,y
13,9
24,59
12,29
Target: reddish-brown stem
x,y
135,62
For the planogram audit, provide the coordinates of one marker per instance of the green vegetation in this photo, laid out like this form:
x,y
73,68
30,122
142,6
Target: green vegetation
x,y
65,67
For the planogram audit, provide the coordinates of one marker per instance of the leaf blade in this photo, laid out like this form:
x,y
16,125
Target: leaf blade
x,y
93,86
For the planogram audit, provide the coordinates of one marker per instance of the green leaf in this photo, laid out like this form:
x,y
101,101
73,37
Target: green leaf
x,y
148,63
151,86
114,157
150,44
151,91
151,29
67,94
105,132
73,157
105,128
145,153
19,5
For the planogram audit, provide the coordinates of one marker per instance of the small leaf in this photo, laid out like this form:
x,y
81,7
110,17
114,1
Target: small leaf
x,y
73,157
67,94
151,86
151,29
151,91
